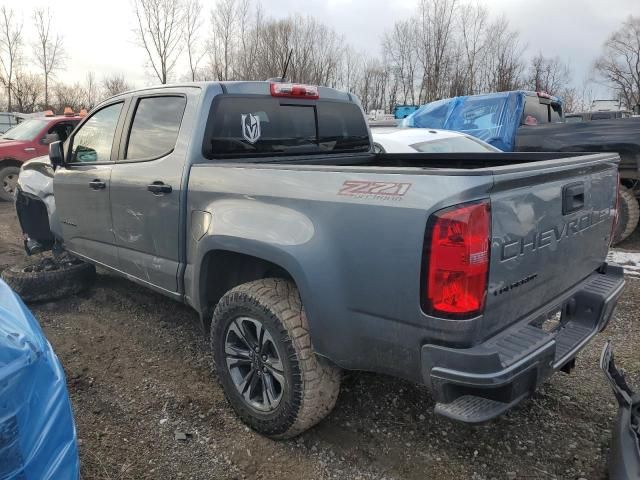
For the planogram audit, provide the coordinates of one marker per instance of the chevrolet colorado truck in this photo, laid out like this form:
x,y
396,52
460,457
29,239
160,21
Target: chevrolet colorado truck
x,y
264,207
29,139
522,121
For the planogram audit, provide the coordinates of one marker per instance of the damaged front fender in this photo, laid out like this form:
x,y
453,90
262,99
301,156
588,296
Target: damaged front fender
x,y
35,205
624,459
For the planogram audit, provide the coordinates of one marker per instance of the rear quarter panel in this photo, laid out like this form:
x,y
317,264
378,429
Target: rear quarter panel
x,y
355,256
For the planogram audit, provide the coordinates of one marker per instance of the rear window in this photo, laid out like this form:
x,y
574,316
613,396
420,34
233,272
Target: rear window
x,y
259,126
536,113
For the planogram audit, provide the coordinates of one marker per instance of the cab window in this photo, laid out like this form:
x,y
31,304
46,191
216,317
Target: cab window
x,y
155,127
94,141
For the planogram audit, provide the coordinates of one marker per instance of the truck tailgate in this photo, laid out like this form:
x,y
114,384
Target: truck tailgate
x,y
551,228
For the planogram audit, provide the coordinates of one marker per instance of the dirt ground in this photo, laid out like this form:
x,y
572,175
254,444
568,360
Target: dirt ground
x,y
139,370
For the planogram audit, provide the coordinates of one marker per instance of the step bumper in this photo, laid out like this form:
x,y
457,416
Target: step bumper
x,y
480,383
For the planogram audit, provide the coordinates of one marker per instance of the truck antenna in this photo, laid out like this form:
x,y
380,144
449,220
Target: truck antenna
x,y
286,65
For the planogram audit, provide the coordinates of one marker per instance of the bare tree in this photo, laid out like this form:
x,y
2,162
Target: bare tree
x,y
435,32
27,91
503,65
224,18
549,75
91,92
400,52
68,95
10,49
114,84
192,26
48,49
250,29
159,30
619,64
351,69
473,30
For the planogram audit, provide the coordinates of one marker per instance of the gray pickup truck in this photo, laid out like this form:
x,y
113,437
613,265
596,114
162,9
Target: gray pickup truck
x,y
263,206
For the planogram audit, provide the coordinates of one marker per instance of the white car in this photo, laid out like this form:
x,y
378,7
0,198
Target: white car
x,y
426,140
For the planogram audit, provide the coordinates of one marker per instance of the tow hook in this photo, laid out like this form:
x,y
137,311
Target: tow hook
x,y
32,247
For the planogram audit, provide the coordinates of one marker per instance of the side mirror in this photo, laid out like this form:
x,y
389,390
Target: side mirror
x,y
56,154
49,138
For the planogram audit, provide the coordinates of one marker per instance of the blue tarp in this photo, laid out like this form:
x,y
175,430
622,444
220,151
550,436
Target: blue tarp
x,y
493,117
37,431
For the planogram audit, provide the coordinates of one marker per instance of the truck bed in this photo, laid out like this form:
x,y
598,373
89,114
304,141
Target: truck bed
x,y
446,161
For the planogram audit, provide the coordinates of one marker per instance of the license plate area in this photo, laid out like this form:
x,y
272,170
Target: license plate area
x,y
552,322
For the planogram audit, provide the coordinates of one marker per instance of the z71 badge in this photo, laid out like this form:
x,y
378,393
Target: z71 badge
x,y
375,190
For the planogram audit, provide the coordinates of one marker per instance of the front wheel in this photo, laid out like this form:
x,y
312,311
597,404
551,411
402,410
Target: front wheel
x,y
265,361
49,278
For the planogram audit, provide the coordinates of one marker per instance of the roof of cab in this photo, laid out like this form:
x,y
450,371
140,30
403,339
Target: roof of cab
x,y
244,87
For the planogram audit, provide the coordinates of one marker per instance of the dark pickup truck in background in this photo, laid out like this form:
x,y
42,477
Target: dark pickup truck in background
x,y
522,121
263,206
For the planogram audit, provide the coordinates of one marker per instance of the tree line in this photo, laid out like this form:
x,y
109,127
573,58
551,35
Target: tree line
x,y
446,48
29,68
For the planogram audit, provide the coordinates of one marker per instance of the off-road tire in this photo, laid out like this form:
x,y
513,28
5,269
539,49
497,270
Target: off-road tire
x,y
312,383
4,173
628,215
33,283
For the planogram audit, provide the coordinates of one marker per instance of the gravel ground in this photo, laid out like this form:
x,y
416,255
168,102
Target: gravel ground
x,y
139,370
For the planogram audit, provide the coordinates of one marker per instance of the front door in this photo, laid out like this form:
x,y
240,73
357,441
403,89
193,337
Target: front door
x,y
82,187
145,191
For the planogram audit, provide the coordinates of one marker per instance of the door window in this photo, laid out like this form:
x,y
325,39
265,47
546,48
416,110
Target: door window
x,y
155,127
60,131
94,140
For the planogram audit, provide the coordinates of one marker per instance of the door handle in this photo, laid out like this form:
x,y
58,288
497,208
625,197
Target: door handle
x,y
97,184
572,197
158,188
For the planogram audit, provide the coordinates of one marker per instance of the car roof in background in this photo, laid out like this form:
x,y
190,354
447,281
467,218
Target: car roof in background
x,y
416,133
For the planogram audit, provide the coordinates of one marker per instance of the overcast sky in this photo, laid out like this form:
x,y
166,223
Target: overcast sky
x,y
98,34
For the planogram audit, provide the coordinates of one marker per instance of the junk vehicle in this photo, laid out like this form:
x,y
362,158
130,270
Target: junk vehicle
x,y
521,121
264,207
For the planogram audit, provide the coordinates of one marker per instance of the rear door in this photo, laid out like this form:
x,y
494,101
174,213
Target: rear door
x,y
146,187
551,228
82,186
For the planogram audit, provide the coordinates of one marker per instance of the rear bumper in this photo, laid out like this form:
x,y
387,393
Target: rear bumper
x,y
479,383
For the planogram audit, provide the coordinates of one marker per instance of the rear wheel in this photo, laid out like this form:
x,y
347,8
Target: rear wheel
x,y
8,182
265,361
628,215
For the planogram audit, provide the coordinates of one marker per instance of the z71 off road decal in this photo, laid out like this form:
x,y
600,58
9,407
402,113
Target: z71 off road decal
x,y
375,190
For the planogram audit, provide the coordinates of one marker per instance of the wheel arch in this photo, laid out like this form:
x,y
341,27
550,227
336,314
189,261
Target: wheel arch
x,y
222,269
10,162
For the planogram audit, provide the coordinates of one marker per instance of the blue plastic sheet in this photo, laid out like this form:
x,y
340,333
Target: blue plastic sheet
x,y
37,431
493,117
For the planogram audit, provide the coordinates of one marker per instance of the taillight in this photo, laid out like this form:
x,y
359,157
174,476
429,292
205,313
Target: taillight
x,y
295,90
457,261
